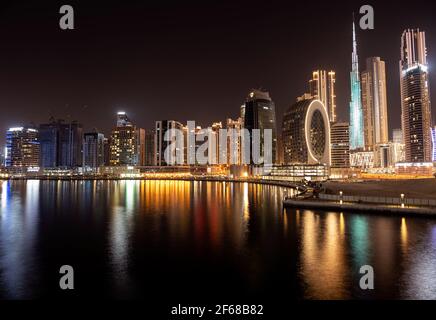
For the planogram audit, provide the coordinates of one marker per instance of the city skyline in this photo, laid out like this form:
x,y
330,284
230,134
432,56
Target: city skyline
x,y
173,154
198,102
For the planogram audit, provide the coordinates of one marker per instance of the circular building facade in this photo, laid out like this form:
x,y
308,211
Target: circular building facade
x,y
306,133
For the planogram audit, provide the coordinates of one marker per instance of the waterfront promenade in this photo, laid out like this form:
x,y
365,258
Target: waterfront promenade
x,y
411,188
377,208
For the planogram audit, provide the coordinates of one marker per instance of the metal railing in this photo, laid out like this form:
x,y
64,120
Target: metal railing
x,y
380,200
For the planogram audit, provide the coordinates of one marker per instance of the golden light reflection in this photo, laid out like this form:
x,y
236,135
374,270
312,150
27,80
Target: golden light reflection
x,y
341,224
403,234
323,256
297,218
246,203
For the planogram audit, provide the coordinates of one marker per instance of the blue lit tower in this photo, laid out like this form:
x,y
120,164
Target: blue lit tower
x,y
356,114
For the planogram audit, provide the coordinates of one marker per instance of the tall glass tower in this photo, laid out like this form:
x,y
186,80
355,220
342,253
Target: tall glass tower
x,y
356,114
416,117
259,112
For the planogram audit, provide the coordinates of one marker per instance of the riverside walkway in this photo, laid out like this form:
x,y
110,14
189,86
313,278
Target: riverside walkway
x,y
394,206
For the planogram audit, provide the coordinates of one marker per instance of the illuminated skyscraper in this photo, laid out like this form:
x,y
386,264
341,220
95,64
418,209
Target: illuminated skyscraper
x,y
127,143
2,156
22,147
340,145
356,114
306,133
415,97
322,87
161,144
259,113
374,102
234,143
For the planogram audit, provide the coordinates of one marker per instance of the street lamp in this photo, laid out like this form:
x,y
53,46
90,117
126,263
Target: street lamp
x,y
340,197
402,200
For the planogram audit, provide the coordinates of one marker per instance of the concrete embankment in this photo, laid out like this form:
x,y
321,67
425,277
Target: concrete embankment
x,y
360,207
278,183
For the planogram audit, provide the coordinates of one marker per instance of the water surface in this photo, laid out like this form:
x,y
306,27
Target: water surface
x,y
200,241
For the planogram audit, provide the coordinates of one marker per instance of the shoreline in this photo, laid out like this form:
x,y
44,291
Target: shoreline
x,y
411,188
278,183
367,208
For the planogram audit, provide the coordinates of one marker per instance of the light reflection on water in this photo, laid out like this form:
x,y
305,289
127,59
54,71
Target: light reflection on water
x,y
130,238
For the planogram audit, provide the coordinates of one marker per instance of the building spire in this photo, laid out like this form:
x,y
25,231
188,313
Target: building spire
x,y
356,115
354,55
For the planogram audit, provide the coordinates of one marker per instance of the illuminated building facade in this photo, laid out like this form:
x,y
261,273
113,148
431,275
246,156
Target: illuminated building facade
x,y
127,143
214,142
374,103
2,156
362,159
258,112
161,144
93,150
414,168
340,145
397,153
356,114
322,87
234,147
22,147
306,133
297,172
415,97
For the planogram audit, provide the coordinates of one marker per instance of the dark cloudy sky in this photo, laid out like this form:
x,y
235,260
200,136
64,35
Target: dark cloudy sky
x,y
188,60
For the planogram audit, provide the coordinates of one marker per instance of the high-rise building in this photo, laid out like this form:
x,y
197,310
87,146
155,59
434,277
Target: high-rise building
x,y
374,103
107,151
93,150
340,145
306,133
161,144
322,87
433,139
356,114
415,96
233,152
61,144
149,148
214,142
127,143
70,141
141,146
258,112
48,137
2,156
22,147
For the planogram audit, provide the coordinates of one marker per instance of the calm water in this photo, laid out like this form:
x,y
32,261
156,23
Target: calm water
x,y
188,241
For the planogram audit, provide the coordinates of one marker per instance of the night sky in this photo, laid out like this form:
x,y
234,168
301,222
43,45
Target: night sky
x,y
188,60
